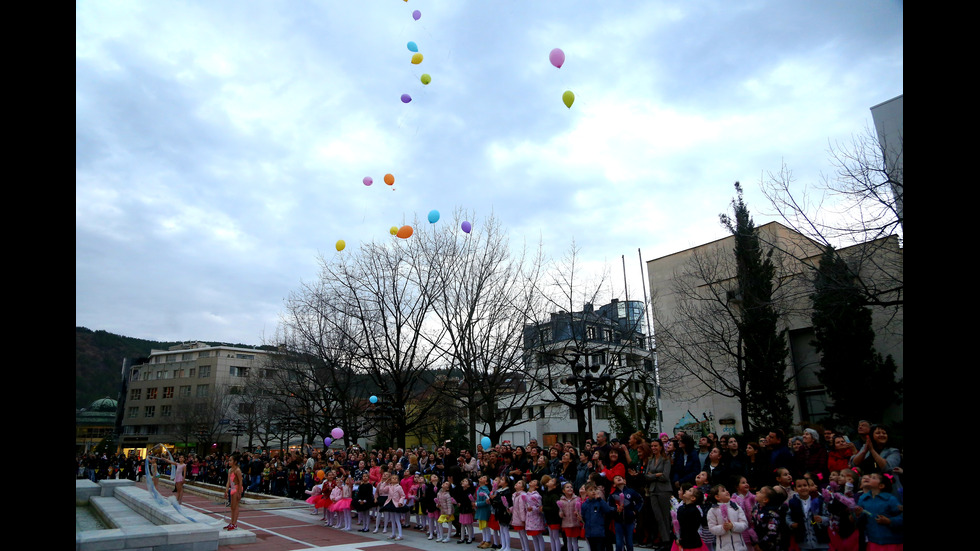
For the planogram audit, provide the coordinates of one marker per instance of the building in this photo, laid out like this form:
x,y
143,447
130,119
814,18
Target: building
x,y
185,397
94,423
889,119
678,280
575,363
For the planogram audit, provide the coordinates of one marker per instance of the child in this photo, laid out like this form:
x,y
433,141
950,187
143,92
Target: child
x,y
500,501
627,502
808,517
363,502
466,503
689,519
429,508
569,510
445,503
314,494
705,505
593,513
726,520
746,500
841,525
880,514
769,521
785,481
849,481
482,512
534,522
518,512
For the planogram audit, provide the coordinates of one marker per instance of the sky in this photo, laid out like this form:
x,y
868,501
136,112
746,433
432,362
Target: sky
x,y
221,146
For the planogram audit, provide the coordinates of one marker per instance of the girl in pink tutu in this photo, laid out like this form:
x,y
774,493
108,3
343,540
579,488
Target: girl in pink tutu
x,y
341,505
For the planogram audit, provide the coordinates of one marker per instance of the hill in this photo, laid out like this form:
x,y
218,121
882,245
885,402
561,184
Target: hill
x,y
99,358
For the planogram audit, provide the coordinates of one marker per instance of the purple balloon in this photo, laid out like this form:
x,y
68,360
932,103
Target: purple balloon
x,y
416,15
557,57
368,180
327,441
406,98
467,227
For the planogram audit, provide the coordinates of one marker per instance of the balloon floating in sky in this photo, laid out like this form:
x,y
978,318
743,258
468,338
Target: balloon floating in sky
x,y
466,227
341,245
485,442
327,441
389,179
368,180
416,15
405,232
416,59
337,433
557,57
406,98
568,97
393,230
426,78
433,216
373,399
413,47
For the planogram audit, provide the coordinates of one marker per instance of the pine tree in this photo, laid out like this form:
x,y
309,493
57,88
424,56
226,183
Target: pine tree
x,y
764,347
859,380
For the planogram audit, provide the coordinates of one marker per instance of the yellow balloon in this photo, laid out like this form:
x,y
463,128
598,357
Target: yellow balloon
x,y
416,58
341,245
426,78
393,230
568,97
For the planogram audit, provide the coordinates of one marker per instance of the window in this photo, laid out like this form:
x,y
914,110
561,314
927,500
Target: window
x,y
146,375
245,356
179,373
166,411
187,356
152,429
171,358
572,414
202,391
151,393
599,358
514,414
237,371
150,411
590,333
185,391
204,372
135,394
545,334
267,373
607,335
204,354
133,412
234,390
168,392
602,412
191,372
246,409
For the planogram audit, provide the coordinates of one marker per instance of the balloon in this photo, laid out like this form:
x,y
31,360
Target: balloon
x,y
393,230
389,179
557,57
467,227
433,216
337,433
485,442
373,399
413,47
341,245
426,78
568,97
327,441
405,232
416,59
416,15
406,98
368,180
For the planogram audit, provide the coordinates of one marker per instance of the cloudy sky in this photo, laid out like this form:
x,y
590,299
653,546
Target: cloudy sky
x,y
220,146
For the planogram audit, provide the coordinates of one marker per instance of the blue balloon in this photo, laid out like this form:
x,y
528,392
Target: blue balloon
x,y
374,399
412,47
485,442
433,216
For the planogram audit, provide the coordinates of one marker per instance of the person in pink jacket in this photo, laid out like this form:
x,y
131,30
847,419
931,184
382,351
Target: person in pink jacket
x,y
534,523
394,506
518,513
569,509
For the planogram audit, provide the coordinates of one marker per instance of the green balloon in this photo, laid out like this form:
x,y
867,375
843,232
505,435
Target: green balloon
x,y
568,97
426,78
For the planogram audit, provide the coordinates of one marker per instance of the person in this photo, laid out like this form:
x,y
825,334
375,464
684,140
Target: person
x,y
841,524
704,448
446,503
501,501
627,503
839,458
755,467
363,501
733,458
534,522
570,512
609,469
744,498
550,496
686,464
234,487
465,499
594,511
583,468
716,468
656,473
180,475
807,517
815,456
518,511
342,505
726,520
689,518
429,506
779,454
483,511
880,514
770,525
876,456
393,507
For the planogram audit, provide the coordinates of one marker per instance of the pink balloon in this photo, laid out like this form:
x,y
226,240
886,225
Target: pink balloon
x,y
557,57
337,433
368,180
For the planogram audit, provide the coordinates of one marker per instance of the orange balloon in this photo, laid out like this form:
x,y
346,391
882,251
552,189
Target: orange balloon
x,y
389,179
405,232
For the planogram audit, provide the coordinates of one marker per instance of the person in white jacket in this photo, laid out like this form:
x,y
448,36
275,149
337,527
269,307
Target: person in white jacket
x,y
726,520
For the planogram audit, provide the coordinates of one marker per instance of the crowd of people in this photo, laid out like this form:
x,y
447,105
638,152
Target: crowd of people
x,y
812,491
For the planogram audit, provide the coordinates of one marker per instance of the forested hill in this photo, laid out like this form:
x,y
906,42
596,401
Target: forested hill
x,y
99,358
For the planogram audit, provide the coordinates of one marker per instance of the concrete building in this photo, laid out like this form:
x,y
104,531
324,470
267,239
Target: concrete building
x,y
889,120
184,397
679,279
94,423
583,351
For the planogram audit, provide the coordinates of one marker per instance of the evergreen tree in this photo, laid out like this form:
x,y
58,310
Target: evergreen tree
x,y
764,347
858,379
